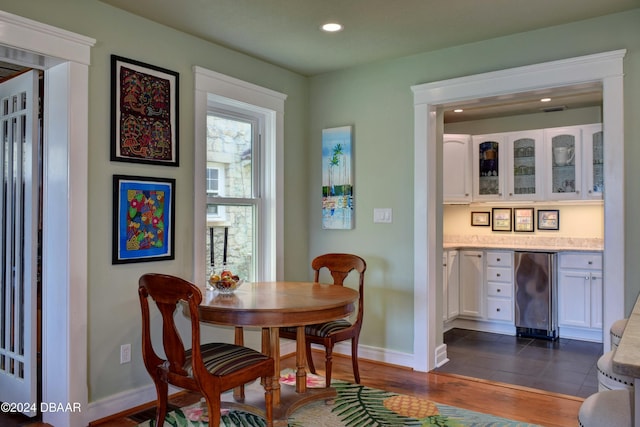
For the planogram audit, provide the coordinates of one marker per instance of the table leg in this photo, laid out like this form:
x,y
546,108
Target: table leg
x,y
275,354
238,392
301,360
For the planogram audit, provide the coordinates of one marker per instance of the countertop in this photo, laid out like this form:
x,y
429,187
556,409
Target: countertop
x,y
526,242
626,359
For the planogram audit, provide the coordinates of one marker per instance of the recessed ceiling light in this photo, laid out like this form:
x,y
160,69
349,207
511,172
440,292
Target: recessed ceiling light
x,y
331,27
545,100
458,110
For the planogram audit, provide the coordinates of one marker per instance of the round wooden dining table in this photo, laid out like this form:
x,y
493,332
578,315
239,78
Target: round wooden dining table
x,y
270,306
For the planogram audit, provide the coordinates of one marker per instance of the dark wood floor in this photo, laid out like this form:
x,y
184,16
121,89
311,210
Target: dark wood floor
x,y
510,401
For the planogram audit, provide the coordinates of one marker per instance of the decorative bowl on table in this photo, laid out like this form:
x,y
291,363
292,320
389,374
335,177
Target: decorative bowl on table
x,y
224,280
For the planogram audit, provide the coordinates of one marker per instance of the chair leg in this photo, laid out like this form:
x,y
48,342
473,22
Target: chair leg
x,y
213,407
267,382
328,362
354,359
312,368
162,389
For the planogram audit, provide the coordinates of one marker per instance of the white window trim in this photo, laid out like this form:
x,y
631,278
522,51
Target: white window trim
x,y
228,91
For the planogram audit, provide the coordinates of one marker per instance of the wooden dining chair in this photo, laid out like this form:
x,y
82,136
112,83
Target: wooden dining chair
x,y
329,333
207,368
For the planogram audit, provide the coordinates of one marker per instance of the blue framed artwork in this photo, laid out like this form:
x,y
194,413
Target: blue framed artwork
x,y
143,219
337,178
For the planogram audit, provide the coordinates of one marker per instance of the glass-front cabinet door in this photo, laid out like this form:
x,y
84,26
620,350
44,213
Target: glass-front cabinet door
x,y
526,165
592,150
564,179
488,167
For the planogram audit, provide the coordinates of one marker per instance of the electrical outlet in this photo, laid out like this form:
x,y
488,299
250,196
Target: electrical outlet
x,y
125,353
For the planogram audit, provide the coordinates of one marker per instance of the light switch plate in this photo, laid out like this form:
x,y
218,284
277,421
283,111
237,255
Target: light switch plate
x,y
382,215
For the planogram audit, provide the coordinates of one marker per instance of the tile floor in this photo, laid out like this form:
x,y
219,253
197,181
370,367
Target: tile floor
x,y
562,366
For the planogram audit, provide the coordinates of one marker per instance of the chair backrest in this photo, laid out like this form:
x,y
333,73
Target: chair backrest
x,y
167,292
340,265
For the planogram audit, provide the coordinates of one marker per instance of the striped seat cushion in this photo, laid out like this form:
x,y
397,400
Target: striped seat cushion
x,y
222,359
323,329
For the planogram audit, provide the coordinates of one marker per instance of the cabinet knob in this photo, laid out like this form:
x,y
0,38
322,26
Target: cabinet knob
x,y
590,262
498,259
510,194
466,194
479,256
586,278
498,290
497,309
498,275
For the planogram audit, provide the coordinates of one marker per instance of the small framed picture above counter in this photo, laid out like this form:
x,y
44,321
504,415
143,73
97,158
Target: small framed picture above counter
x,y
548,219
501,219
523,219
481,218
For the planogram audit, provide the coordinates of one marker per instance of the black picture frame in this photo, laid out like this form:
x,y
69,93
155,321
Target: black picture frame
x,y
501,219
144,113
523,219
143,219
480,219
549,219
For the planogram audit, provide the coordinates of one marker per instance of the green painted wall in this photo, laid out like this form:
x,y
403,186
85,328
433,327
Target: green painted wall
x,y
377,100
114,312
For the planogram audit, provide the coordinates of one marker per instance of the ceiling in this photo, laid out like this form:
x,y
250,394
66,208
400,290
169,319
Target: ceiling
x,y
286,32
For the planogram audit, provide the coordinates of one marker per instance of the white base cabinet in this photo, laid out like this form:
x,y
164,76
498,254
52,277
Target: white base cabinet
x,y
580,290
450,285
485,282
499,279
472,284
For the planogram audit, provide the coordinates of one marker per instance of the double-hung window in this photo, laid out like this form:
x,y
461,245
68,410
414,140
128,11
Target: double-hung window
x,y
238,180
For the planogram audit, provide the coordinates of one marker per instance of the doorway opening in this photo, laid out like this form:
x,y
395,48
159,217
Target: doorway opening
x,y
605,69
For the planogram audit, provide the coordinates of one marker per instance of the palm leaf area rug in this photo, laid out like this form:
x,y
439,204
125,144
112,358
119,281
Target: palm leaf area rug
x,y
354,406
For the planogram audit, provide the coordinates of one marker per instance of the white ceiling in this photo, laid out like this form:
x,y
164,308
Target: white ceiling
x,y
286,32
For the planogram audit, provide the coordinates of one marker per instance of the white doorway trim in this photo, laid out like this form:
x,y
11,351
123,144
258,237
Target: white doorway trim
x,y
65,58
606,68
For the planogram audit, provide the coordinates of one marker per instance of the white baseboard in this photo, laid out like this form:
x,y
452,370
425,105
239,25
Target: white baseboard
x,y
131,398
122,401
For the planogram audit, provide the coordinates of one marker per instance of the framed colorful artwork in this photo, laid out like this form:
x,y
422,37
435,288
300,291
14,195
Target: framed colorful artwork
x,y
480,218
144,113
337,178
523,219
548,219
143,219
501,219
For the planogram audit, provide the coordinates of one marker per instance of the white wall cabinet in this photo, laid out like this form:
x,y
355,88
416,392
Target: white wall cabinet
x,y
593,161
489,167
563,163
580,288
451,285
525,163
456,163
577,158
472,294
